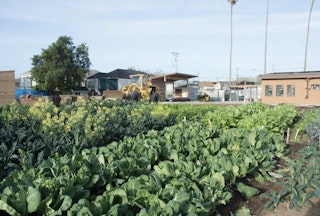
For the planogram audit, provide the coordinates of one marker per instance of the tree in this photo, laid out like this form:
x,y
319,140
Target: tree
x,y
61,66
307,41
232,2
266,39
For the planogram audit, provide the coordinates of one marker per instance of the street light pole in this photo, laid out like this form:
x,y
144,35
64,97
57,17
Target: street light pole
x,y
176,55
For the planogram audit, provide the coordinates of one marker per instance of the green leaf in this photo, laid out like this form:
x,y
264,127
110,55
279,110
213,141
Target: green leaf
x,y
243,212
84,211
224,151
248,160
66,203
20,203
155,181
118,196
44,206
174,205
33,199
247,191
174,156
259,177
7,208
94,179
164,168
228,165
235,170
275,175
251,137
181,197
101,159
218,176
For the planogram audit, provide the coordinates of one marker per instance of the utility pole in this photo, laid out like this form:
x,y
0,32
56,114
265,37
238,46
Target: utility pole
x,y
176,55
237,84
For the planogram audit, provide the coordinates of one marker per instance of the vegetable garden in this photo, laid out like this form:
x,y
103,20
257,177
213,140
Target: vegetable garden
x,y
124,158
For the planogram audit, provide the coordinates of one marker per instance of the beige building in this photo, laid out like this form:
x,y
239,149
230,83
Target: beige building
x,y
298,88
7,87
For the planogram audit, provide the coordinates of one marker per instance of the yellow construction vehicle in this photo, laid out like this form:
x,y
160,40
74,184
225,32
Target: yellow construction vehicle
x,y
203,97
140,88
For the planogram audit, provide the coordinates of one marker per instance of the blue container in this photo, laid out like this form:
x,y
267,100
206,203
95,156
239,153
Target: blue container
x,y
32,92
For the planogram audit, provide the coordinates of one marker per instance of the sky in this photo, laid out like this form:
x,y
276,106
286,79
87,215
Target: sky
x,y
144,34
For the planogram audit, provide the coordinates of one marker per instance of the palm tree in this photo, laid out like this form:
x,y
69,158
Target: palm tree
x,y
232,2
307,41
266,39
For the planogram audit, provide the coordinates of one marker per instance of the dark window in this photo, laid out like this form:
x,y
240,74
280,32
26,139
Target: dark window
x,y
268,90
291,90
279,90
315,86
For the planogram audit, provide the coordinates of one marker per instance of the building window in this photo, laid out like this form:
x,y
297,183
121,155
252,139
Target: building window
x,y
279,90
291,90
268,90
315,86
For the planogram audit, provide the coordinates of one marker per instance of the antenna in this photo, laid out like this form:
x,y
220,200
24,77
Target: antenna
x,y
176,55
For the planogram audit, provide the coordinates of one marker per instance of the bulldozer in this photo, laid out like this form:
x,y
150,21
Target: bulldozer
x,y
140,88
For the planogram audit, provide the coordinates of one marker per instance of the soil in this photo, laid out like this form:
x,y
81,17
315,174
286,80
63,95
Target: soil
x,y
256,204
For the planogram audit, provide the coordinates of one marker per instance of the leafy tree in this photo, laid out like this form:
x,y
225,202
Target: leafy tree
x,y
266,39
61,66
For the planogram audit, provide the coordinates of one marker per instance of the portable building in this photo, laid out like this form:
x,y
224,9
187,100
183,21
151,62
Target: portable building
x,y
298,88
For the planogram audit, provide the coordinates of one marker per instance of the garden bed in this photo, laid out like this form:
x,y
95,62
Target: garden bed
x,y
256,204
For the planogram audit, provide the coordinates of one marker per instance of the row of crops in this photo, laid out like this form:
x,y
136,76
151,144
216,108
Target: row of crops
x,y
124,158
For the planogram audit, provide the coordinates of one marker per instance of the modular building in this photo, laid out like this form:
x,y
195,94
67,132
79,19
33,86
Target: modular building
x,y
298,88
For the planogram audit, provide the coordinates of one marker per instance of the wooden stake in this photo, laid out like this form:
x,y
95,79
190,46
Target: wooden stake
x,y
295,137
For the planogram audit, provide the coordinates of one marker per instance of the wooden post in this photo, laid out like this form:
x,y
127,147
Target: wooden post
x,y
295,137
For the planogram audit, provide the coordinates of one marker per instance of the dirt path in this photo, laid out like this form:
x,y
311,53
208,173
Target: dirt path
x,y
283,210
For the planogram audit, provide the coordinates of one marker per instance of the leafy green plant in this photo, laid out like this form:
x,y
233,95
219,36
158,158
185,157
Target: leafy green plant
x,y
313,129
188,168
43,130
300,182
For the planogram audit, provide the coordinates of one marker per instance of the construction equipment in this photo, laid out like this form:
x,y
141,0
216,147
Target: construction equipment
x,y
203,97
140,88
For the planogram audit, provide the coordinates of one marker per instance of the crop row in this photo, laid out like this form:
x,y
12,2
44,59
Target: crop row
x,y
43,130
184,169
187,168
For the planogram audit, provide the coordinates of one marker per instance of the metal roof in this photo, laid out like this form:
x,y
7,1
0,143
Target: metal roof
x,y
116,74
173,77
291,75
